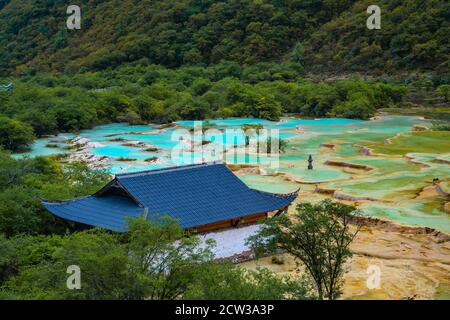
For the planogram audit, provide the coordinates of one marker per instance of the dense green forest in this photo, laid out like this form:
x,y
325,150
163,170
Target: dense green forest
x,y
329,35
413,35
46,104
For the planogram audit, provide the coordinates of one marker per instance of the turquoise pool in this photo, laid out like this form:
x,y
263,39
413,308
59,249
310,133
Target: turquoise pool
x,y
394,181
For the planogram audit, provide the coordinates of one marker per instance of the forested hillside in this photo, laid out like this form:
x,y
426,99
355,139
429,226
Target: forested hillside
x,y
167,32
414,34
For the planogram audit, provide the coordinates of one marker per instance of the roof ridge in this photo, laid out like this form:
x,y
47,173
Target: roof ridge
x,y
169,169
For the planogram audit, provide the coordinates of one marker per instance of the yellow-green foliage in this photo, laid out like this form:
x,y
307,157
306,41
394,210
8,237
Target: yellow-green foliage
x,y
167,32
413,35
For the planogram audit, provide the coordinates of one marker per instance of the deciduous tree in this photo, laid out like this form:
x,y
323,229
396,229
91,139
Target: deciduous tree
x,y
319,236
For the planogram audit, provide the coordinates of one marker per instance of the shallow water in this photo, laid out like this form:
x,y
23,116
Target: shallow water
x,y
394,180
423,212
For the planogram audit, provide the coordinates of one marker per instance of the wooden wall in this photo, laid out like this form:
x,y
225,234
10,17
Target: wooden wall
x,y
229,223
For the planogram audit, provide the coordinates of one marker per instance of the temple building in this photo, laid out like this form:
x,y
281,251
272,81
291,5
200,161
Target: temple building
x,y
200,197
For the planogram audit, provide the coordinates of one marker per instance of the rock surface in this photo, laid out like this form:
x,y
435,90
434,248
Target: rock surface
x,y
447,207
413,263
418,128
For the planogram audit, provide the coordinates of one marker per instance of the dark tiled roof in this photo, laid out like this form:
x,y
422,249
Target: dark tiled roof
x,y
106,212
194,195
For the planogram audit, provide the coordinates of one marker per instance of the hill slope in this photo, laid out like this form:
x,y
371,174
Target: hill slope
x,y
413,35
167,32
178,32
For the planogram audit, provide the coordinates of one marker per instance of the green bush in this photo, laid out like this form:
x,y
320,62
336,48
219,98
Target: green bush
x,y
15,135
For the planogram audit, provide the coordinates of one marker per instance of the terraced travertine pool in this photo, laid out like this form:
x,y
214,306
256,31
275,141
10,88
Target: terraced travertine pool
x,y
400,162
